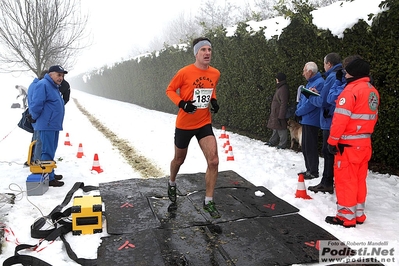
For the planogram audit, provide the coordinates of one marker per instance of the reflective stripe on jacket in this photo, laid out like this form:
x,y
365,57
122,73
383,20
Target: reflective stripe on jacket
x,y
356,114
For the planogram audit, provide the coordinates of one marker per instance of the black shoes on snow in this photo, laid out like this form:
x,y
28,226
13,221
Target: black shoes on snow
x,y
321,188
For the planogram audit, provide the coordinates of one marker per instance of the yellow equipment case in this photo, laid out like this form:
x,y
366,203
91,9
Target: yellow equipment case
x,y
39,167
86,215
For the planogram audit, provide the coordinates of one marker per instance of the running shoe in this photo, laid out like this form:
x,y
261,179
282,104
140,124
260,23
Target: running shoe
x,y
172,192
211,209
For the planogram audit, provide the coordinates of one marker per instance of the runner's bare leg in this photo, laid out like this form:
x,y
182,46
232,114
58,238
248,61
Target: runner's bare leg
x,y
178,160
209,148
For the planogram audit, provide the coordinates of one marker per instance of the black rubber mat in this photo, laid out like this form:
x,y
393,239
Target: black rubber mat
x,y
140,248
126,209
255,228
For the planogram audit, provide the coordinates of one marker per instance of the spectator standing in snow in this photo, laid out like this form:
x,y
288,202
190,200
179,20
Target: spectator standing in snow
x,y
332,64
277,121
310,120
196,99
353,122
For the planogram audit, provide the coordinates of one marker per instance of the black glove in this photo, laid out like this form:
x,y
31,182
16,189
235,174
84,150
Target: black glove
x,y
339,75
326,113
188,106
214,106
341,147
332,149
30,119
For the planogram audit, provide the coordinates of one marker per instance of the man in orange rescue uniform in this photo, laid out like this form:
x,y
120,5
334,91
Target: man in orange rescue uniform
x,y
196,98
353,123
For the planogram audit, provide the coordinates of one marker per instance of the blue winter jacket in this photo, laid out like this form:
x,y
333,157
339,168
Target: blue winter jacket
x,y
326,109
47,105
309,113
335,91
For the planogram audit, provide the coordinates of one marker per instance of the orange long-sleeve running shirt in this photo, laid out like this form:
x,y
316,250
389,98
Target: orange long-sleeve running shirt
x,y
193,84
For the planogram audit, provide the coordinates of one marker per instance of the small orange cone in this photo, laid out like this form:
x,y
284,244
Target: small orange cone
x,y
67,142
223,135
80,151
301,189
228,148
230,156
96,164
227,142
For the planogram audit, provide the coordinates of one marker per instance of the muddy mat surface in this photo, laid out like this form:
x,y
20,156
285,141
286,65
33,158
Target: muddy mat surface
x,y
147,229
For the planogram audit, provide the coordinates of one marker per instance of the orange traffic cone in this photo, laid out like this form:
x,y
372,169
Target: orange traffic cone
x,y
96,164
301,189
80,151
67,142
230,156
223,135
228,148
227,142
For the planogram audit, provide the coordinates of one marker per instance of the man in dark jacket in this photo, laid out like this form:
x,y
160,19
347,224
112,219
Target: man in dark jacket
x,y
47,111
277,120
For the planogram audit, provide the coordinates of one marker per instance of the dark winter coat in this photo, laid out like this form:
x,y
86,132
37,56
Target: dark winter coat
x,y
65,90
279,107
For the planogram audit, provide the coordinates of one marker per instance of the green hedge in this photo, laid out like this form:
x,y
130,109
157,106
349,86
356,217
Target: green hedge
x,y
247,62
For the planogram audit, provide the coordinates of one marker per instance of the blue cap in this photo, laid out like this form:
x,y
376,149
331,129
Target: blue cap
x,y
58,69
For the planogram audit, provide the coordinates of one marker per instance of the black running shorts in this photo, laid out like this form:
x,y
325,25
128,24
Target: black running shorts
x,y
183,137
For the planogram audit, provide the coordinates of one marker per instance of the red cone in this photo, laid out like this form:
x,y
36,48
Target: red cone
x,y
230,156
301,189
96,164
67,142
223,135
80,151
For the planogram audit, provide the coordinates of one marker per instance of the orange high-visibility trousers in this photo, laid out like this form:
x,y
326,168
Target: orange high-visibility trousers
x,y
350,173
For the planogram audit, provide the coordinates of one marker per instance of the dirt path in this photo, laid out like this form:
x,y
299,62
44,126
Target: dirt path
x,y
138,162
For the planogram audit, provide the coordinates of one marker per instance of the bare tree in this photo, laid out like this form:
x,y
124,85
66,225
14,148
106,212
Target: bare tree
x,y
35,34
211,15
181,29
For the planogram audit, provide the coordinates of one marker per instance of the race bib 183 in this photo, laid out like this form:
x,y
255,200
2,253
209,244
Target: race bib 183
x,y
202,97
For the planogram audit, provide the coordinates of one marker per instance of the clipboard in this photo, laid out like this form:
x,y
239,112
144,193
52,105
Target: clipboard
x,y
309,91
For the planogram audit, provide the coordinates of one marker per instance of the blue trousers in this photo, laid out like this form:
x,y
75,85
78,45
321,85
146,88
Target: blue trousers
x,y
49,140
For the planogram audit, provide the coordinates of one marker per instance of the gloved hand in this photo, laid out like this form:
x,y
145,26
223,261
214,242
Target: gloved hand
x,y
341,147
326,113
339,74
188,106
332,149
30,119
214,106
